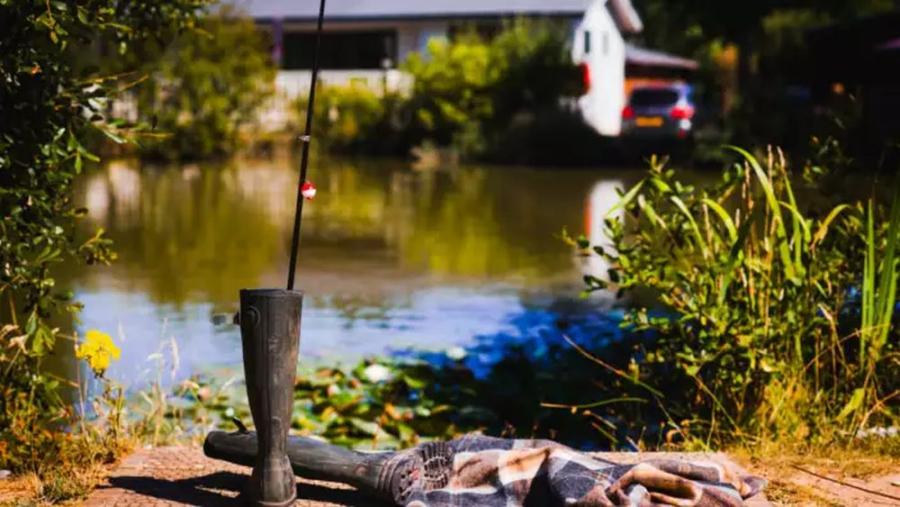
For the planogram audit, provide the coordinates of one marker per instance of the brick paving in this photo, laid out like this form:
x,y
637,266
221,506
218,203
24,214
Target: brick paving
x,y
181,476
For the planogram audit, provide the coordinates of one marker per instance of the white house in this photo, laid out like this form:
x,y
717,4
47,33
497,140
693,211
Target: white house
x,y
365,39
599,46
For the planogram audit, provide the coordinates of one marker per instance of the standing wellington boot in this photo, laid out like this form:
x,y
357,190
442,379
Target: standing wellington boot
x,y
270,334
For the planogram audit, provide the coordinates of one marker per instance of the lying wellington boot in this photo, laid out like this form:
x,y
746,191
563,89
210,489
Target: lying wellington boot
x,y
270,338
485,471
390,476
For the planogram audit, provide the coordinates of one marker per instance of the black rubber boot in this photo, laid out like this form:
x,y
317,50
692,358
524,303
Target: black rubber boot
x,y
390,476
270,335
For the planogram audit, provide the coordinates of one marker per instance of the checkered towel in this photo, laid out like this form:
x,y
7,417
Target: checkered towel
x,y
484,471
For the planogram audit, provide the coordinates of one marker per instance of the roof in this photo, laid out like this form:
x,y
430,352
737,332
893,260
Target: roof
x,y
635,55
400,9
626,16
354,10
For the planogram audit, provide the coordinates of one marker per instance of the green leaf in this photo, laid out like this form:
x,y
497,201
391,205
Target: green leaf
x,y
625,200
648,210
856,401
701,243
613,275
367,427
583,242
415,383
116,138
822,231
726,220
774,208
661,185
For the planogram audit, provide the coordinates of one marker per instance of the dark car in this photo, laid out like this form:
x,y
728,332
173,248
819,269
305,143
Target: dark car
x,y
659,112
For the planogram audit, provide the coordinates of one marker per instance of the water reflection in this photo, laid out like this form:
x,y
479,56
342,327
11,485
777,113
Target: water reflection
x,y
390,258
601,206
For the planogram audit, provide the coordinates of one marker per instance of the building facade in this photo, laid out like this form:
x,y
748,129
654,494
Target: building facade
x,y
365,40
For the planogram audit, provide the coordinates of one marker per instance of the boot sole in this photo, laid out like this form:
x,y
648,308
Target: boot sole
x,y
424,468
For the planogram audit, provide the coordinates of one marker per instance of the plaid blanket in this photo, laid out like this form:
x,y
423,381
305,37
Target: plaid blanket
x,y
484,471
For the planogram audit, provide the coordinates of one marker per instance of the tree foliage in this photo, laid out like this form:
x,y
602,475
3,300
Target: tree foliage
x,y
467,91
754,58
679,24
48,104
205,86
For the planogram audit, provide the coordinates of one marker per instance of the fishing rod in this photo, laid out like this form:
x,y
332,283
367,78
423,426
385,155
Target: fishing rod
x,y
305,189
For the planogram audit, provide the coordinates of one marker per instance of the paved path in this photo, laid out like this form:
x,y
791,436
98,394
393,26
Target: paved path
x,y
182,476
179,476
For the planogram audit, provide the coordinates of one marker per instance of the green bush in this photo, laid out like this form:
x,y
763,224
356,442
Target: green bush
x,y
205,87
549,136
483,98
468,91
759,331
450,96
48,105
346,117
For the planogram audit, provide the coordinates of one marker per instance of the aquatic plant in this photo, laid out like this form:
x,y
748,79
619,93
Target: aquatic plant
x,y
376,404
504,383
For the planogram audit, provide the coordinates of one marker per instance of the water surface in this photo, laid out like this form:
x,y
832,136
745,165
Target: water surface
x,y
391,257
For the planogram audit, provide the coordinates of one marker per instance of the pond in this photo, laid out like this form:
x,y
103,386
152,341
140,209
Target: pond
x,y
392,257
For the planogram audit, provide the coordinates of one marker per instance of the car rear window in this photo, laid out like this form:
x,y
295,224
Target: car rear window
x,y
654,97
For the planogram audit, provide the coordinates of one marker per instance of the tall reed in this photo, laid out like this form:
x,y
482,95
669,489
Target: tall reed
x,y
879,296
755,334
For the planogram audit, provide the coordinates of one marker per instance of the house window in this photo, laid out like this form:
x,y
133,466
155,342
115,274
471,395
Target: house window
x,y
587,42
340,50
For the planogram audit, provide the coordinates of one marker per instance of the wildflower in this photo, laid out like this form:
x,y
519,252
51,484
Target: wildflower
x,y
456,353
377,373
98,350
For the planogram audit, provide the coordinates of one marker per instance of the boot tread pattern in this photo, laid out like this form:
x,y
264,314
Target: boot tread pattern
x,y
424,468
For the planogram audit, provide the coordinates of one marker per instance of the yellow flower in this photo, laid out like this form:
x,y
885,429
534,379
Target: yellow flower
x,y
98,350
